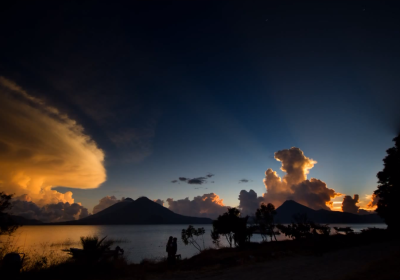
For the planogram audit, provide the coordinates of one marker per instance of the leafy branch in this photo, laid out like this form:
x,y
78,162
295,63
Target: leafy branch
x,y
191,236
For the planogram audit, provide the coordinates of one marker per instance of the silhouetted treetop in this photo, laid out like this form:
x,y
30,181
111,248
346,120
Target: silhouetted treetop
x,y
389,187
7,224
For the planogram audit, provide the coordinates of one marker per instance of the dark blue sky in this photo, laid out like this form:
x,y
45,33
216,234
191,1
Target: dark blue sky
x,y
184,88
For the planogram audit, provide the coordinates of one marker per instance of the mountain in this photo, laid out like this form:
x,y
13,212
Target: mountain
x,y
135,212
289,208
12,219
24,221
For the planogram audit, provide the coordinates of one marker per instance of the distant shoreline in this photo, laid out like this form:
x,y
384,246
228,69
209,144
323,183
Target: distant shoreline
x,y
62,224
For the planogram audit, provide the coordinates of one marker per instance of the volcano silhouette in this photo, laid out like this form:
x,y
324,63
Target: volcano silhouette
x,y
136,212
289,208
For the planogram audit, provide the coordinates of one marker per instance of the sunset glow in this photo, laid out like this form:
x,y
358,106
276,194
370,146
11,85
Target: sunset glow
x,y
42,148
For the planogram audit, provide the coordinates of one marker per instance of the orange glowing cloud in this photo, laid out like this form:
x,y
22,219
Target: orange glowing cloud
x,y
373,201
41,148
313,193
208,205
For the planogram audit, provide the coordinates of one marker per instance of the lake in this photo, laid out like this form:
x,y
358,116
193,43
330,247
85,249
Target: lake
x,y
138,241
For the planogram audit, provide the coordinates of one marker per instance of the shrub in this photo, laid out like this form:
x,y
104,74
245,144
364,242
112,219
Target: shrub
x,y
93,248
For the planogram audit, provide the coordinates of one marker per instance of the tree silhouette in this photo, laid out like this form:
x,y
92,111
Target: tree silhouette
x,y
389,187
190,235
265,219
215,238
7,225
231,226
302,228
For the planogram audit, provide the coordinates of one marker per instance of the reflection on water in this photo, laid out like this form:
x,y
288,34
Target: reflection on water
x,y
138,241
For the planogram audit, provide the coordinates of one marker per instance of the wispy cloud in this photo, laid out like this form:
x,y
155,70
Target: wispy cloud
x,y
194,181
244,181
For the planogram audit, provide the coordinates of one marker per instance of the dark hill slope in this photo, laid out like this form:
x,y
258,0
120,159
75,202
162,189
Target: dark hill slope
x,y
24,221
289,208
140,211
17,220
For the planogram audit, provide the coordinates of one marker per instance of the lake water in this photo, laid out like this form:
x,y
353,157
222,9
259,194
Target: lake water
x,y
138,241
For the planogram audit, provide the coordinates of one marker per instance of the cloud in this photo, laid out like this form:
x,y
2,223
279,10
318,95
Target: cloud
x,y
41,148
197,181
313,193
249,202
295,164
373,201
349,204
159,201
194,181
106,202
244,181
208,205
55,212
133,137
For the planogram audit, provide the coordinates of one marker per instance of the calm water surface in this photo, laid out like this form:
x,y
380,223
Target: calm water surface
x,y
139,241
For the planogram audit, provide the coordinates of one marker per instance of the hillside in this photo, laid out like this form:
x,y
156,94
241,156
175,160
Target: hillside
x,y
289,208
140,211
24,221
18,220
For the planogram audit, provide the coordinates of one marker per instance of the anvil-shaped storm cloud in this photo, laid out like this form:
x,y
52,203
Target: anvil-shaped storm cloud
x,y
41,148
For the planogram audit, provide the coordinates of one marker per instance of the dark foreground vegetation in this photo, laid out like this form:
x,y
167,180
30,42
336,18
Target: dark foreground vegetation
x,y
210,259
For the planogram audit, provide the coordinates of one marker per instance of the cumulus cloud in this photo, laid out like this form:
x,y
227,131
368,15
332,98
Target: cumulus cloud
x,y
208,205
373,201
41,148
313,193
349,204
249,202
159,201
106,202
55,212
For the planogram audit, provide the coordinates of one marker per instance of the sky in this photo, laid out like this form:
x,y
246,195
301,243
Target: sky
x,y
103,101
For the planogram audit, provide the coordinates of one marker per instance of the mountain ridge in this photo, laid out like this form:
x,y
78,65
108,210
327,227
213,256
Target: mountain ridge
x,y
289,208
136,212
146,211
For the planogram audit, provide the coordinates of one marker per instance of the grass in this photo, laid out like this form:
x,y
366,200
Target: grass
x,y
49,255
66,243
35,259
